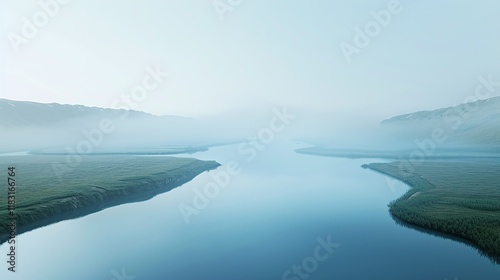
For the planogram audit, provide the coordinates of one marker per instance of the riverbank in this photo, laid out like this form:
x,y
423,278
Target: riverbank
x,y
97,183
457,198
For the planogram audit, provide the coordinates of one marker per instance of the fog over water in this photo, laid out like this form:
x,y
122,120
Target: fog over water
x,y
269,85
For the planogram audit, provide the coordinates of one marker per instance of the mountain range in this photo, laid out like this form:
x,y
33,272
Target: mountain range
x,y
466,125
55,128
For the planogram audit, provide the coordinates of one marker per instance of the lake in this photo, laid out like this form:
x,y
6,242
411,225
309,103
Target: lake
x,y
284,216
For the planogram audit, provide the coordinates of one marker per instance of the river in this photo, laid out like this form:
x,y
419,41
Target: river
x,y
283,216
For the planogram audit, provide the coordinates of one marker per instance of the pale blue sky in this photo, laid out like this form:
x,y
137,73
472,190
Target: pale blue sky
x,y
263,53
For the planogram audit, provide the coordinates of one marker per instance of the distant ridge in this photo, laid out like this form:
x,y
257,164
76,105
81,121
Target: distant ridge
x,y
471,124
39,127
16,114
491,105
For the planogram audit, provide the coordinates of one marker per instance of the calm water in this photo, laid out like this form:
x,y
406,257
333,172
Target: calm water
x,y
268,219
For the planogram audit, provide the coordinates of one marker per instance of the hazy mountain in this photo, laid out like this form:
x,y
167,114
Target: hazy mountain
x,y
55,127
16,114
465,130
472,124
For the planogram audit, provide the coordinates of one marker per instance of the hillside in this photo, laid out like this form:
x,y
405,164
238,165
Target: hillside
x,y
18,114
465,131
31,126
472,124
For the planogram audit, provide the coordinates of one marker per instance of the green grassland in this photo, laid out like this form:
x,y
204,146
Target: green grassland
x,y
459,198
96,183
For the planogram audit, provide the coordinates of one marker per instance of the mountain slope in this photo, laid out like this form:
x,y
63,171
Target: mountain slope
x,y
472,124
16,114
36,126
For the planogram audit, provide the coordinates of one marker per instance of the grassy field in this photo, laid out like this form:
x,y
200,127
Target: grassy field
x,y
460,198
96,183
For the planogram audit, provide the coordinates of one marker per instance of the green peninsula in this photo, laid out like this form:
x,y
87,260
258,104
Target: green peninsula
x,y
460,198
95,183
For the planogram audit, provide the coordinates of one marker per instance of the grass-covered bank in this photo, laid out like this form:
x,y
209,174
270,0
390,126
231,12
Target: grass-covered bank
x,y
460,198
98,182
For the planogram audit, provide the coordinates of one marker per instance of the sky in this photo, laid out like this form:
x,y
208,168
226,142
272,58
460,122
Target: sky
x,y
240,56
